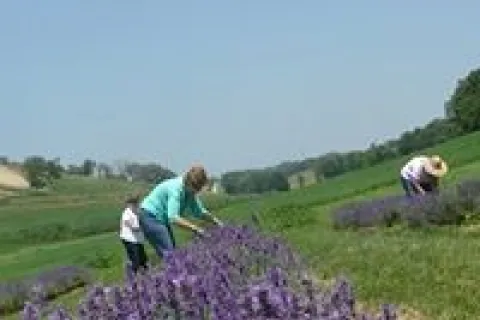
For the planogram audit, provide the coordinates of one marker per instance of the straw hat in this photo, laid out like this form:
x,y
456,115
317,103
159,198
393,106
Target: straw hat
x,y
436,166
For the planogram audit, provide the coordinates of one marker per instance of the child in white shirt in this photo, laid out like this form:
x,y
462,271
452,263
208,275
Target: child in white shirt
x,y
132,236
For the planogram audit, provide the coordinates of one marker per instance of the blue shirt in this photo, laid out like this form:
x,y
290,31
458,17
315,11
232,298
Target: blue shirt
x,y
170,199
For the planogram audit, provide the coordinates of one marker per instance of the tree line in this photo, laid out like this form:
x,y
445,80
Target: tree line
x,y
41,172
461,116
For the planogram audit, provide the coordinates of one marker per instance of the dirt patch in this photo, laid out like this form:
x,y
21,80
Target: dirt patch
x,y
12,179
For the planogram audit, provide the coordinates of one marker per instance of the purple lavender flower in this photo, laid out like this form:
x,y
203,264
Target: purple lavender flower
x,y
234,273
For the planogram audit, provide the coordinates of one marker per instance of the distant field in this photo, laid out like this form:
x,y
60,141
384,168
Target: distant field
x,y
73,209
432,272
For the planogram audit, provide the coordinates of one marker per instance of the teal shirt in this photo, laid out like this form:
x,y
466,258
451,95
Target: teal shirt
x,y
170,200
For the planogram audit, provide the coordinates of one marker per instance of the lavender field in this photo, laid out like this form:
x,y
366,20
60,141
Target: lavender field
x,y
372,257
233,273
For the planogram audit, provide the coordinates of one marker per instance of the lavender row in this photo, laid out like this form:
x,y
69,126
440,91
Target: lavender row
x,y
234,273
451,206
41,287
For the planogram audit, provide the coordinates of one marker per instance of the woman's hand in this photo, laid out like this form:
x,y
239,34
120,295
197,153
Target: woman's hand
x,y
212,218
184,223
199,232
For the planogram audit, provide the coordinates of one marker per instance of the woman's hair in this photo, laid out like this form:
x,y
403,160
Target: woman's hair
x,y
196,177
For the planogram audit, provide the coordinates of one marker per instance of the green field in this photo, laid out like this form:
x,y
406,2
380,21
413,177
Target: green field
x,y
430,272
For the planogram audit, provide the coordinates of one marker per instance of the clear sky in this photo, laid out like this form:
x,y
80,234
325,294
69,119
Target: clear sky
x,y
232,84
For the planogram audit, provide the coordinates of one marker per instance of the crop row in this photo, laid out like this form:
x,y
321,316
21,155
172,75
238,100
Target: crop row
x,y
19,228
41,287
232,273
459,204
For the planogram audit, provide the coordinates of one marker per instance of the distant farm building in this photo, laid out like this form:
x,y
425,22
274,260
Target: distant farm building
x,y
12,178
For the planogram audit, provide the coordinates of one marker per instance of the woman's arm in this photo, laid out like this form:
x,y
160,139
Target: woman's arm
x,y
418,186
184,223
200,211
173,214
210,217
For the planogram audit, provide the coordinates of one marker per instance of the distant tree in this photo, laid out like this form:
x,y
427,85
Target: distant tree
x,y
88,167
3,160
150,172
273,181
54,168
463,107
355,160
254,181
74,169
40,172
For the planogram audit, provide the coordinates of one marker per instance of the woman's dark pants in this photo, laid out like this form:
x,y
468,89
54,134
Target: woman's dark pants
x,y
160,236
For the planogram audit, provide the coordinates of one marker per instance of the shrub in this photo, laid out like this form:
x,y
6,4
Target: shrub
x,y
233,273
441,209
468,192
45,285
451,206
376,212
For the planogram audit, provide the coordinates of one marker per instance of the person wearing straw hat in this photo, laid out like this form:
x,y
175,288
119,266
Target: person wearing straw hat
x,y
167,203
421,174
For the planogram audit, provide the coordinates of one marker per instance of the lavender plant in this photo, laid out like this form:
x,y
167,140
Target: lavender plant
x,y
37,289
233,273
451,206
375,212
468,192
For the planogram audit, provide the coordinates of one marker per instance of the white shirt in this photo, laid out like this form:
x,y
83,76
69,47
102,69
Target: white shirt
x,y
130,228
413,169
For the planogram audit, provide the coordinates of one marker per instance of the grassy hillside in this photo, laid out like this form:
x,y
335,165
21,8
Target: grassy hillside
x,y
458,153
431,273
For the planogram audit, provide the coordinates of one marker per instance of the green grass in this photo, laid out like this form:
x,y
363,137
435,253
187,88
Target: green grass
x,y
432,271
74,185
46,222
19,228
458,152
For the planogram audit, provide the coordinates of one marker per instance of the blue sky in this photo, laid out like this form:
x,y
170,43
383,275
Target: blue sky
x,y
231,84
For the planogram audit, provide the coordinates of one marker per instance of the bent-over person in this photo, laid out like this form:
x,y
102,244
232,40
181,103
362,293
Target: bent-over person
x,y
421,174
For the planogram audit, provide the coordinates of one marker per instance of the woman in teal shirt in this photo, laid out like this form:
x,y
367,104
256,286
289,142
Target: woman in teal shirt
x,y
166,204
